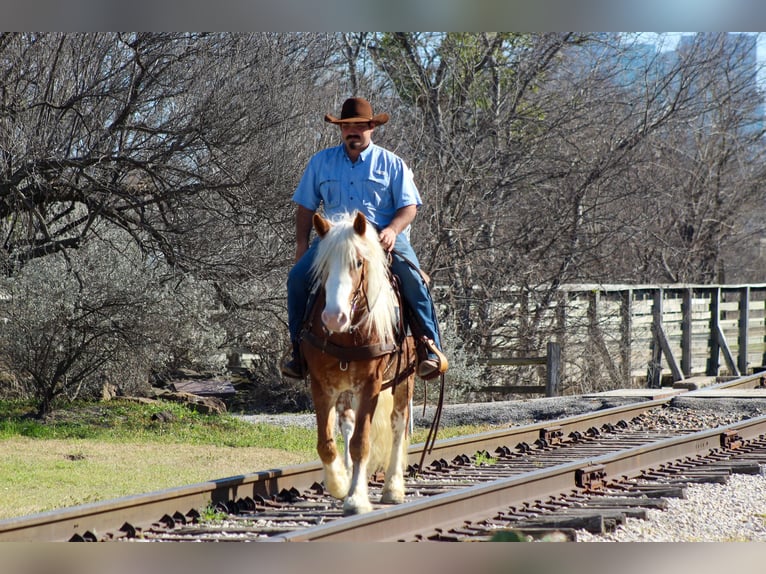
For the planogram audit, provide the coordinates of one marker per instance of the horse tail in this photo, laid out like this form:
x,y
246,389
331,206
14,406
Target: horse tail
x,y
381,434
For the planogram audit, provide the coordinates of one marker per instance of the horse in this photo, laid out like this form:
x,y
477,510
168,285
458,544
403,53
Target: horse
x,y
360,362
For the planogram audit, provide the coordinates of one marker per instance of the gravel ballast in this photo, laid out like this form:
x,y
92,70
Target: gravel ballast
x,y
731,512
514,413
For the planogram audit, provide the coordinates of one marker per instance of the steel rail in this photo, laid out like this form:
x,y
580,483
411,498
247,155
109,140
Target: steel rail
x,y
145,509
452,510
753,381
449,448
142,510
110,515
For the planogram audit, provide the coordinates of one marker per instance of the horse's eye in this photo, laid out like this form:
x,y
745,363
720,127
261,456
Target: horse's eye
x,y
359,263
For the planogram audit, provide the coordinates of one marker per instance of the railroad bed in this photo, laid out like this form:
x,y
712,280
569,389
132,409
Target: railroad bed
x,y
586,472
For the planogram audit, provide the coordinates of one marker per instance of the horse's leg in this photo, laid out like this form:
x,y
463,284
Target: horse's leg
x,y
336,475
358,499
393,487
346,419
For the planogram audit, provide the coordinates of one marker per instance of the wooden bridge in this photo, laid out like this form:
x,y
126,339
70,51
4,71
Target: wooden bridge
x,y
650,335
676,331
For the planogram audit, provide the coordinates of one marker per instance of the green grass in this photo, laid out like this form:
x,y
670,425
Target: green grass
x,y
484,458
118,421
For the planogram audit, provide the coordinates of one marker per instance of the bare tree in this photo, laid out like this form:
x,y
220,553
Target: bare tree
x,y
102,315
710,171
189,144
474,114
549,158
128,128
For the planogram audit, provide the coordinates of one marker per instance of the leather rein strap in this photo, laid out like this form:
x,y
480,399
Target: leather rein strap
x,y
431,438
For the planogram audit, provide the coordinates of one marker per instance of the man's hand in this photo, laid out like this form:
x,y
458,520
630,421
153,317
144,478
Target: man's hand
x,y
402,218
387,239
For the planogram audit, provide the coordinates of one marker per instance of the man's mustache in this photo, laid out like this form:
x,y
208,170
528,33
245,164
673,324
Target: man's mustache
x,y
353,141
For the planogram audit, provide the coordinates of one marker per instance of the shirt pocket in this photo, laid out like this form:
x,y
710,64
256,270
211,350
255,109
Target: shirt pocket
x,y
379,192
330,192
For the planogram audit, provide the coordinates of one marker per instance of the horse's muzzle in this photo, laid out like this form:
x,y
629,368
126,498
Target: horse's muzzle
x,y
337,322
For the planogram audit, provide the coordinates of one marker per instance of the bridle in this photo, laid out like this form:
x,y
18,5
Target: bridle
x,y
359,292
346,354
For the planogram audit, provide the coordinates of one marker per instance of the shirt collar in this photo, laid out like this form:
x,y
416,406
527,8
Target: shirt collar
x,y
362,156
366,152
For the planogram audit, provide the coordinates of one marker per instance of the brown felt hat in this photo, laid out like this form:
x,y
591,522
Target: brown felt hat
x,y
357,110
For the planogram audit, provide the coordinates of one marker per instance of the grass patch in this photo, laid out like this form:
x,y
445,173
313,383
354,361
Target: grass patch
x,y
90,452
163,422
483,458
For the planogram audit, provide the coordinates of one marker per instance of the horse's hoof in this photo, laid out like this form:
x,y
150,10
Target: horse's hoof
x,y
337,487
391,497
350,508
336,479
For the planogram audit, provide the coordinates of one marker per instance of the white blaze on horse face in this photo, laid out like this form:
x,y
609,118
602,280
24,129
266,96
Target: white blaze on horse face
x,y
336,315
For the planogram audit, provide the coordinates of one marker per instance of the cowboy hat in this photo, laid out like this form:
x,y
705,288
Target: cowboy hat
x,y
357,110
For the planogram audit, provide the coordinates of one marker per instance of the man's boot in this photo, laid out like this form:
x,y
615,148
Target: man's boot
x,y
293,366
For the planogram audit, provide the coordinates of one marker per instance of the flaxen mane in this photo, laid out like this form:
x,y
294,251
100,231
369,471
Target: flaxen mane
x,y
346,247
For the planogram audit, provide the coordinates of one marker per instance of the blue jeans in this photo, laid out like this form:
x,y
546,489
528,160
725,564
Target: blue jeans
x,y
415,292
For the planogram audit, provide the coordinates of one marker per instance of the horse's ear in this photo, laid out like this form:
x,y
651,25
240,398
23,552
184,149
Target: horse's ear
x,y
360,223
321,225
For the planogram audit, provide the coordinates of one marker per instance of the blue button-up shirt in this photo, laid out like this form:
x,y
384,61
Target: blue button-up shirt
x,y
378,184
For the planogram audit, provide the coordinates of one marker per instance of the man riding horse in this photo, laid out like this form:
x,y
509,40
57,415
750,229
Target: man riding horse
x,y
360,175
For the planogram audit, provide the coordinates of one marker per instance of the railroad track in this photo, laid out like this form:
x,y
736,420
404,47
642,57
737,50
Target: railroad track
x,y
533,479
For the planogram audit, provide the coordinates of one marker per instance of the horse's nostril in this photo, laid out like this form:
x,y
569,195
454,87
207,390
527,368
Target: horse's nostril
x,y
335,321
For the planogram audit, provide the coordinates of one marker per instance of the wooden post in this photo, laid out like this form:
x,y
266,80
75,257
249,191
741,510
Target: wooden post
x,y
763,357
686,333
661,340
654,374
744,319
553,369
715,318
626,334
561,333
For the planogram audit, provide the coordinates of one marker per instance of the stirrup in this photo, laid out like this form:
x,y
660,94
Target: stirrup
x,y
431,367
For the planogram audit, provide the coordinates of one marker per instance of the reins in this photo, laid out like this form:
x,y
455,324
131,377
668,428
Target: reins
x,y
347,354
358,352
428,445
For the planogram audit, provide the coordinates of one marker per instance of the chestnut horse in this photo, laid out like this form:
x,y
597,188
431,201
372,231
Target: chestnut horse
x,y
355,351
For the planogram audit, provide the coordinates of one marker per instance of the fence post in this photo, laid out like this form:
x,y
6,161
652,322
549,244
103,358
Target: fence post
x,y
553,369
744,323
715,318
686,332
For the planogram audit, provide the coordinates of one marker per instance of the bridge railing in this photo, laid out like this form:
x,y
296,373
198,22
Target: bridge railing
x,y
644,335
677,331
